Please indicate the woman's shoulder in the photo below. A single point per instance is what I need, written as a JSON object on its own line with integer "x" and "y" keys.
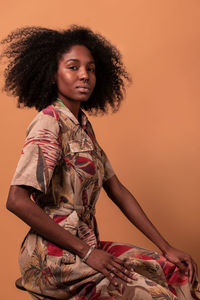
{"x": 51, "y": 111}
{"x": 46, "y": 119}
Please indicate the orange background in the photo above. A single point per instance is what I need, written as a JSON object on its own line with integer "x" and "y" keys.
{"x": 153, "y": 142}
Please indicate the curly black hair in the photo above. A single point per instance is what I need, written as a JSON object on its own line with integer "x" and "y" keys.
{"x": 33, "y": 54}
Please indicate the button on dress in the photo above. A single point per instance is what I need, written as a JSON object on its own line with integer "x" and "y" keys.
{"x": 65, "y": 167}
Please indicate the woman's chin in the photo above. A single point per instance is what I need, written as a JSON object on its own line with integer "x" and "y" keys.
{"x": 84, "y": 98}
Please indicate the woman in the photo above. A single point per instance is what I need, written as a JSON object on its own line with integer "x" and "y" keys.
{"x": 62, "y": 169}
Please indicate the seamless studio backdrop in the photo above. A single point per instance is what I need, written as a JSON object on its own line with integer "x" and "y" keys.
{"x": 153, "y": 142}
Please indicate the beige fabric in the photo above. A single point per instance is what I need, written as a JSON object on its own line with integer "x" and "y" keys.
{"x": 66, "y": 168}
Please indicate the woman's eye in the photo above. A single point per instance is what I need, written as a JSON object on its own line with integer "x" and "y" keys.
{"x": 73, "y": 68}
{"x": 91, "y": 69}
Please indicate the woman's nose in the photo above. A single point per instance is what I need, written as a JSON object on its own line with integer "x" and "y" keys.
{"x": 83, "y": 74}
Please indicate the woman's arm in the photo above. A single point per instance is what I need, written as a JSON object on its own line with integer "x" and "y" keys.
{"x": 133, "y": 211}
{"x": 22, "y": 206}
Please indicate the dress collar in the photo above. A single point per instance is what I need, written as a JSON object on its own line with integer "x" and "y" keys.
{"x": 62, "y": 107}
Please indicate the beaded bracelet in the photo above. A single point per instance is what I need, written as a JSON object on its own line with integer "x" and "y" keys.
{"x": 88, "y": 253}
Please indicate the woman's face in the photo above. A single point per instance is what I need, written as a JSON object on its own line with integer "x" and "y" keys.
{"x": 75, "y": 77}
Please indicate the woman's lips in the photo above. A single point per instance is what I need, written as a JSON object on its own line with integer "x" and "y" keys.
{"x": 83, "y": 89}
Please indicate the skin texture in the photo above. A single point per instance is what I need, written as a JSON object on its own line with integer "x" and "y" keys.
{"x": 75, "y": 77}
{"x": 76, "y": 68}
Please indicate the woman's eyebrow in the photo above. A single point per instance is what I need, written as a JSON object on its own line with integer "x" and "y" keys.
{"x": 72, "y": 59}
{"x": 77, "y": 60}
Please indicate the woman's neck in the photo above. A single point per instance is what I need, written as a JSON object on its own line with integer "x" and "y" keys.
{"x": 74, "y": 106}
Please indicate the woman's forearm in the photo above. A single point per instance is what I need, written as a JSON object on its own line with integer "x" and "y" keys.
{"x": 20, "y": 204}
{"x": 133, "y": 211}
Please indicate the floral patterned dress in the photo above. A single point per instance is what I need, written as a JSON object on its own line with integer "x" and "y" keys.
{"x": 63, "y": 162}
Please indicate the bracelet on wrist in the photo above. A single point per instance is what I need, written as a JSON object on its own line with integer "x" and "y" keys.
{"x": 88, "y": 253}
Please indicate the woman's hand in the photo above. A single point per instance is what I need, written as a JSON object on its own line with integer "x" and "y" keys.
{"x": 182, "y": 260}
{"x": 110, "y": 266}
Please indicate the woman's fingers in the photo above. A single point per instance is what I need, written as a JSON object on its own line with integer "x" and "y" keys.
{"x": 110, "y": 266}
{"x": 122, "y": 263}
{"x": 117, "y": 260}
{"x": 183, "y": 261}
{"x": 122, "y": 271}
{"x": 182, "y": 267}
{"x": 192, "y": 268}
{"x": 113, "y": 273}
{"x": 195, "y": 270}
{"x": 187, "y": 266}
{"x": 110, "y": 276}
{"x": 128, "y": 266}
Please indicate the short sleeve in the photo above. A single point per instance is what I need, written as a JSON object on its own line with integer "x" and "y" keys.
{"x": 41, "y": 152}
{"x": 108, "y": 169}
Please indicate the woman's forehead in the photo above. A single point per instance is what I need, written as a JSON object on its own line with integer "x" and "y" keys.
{"x": 78, "y": 52}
